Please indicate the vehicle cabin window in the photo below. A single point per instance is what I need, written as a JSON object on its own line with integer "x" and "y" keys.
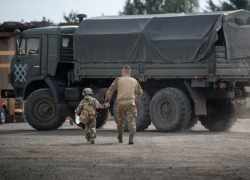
{"x": 67, "y": 42}
{"x": 23, "y": 47}
{"x": 29, "y": 46}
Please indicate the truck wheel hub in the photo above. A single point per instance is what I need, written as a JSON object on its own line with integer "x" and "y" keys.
{"x": 166, "y": 109}
{"x": 44, "y": 110}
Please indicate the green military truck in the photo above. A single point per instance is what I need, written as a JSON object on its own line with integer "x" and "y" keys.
{"x": 191, "y": 67}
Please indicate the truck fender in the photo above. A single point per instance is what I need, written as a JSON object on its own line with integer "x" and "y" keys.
{"x": 54, "y": 84}
{"x": 57, "y": 87}
{"x": 28, "y": 83}
{"x": 198, "y": 97}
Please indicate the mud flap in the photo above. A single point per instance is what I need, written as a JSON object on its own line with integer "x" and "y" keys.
{"x": 241, "y": 108}
{"x": 199, "y": 99}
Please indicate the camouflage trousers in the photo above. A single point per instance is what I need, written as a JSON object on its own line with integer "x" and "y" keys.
{"x": 129, "y": 112}
{"x": 90, "y": 127}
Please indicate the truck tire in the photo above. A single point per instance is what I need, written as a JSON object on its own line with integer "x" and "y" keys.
{"x": 193, "y": 121}
{"x": 3, "y": 116}
{"x": 143, "y": 118}
{"x": 41, "y": 111}
{"x": 170, "y": 110}
{"x": 220, "y": 116}
{"x": 101, "y": 119}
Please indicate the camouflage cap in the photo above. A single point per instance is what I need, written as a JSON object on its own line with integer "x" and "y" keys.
{"x": 87, "y": 91}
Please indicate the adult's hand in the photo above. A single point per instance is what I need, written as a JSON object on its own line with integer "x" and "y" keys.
{"x": 107, "y": 104}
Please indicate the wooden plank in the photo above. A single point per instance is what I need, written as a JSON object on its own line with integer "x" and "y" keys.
{"x": 6, "y": 34}
{"x": 4, "y": 65}
{"x": 6, "y": 53}
{"x": 19, "y": 111}
{"x": 12, "y": 106}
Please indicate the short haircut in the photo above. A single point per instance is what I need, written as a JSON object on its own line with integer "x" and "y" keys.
{"x": 127, "y": 68}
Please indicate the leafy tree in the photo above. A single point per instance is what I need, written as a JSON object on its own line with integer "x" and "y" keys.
{"x": 46, "y": 20}
{"x": 158, "y": 6}
{"x": 71, "y": 18}
{"x": 228, "y": 5}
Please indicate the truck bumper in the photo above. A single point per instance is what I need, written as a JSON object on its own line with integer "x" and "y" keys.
{"x": 7, "y": 93}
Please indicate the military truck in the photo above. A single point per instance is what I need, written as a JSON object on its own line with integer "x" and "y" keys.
{"x": 191, "y": 67}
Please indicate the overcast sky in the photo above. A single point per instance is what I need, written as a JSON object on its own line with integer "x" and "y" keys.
{"x": 30, "y": 10}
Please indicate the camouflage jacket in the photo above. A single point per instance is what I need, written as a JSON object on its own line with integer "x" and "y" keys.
{"x": 126, "y": 87}
{"x": 92, "y": 102}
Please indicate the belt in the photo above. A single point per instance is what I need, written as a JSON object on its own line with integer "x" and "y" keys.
{"x": 125, "y": 101}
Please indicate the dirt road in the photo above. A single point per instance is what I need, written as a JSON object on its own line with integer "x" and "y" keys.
{"x": 63, "y": 154}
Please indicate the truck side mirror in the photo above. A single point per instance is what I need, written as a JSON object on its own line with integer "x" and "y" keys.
{"x": 17, "y": 46}
{"x": 17, "y": 32}
{"x": 17, "y": 49}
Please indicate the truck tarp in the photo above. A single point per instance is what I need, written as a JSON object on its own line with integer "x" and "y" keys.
{"x": 173, "y": 38}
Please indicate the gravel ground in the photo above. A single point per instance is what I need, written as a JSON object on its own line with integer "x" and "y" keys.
{"x": 63, "y": 154}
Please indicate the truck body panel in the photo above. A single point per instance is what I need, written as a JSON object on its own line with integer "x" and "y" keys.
{"x": 199, "y": 61}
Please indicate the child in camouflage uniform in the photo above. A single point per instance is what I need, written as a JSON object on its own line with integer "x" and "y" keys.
{"x": 87, "y": 112}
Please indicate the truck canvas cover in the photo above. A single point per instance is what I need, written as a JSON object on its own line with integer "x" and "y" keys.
{"x": 170, "y": 38}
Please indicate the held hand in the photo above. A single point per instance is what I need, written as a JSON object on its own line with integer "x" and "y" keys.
{"x": 136, "y": 100}
{"x": 107, "y": 105}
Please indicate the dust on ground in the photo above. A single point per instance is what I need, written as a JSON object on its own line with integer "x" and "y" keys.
{"x": 63, "y": 154}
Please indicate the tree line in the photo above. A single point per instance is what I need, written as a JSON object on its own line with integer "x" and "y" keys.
{"x": 138, "y": 7}
{"x": 228, "y": 5}
{"x": 134, "y": 7}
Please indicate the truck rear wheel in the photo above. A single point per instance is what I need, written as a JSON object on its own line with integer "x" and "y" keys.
{"x": 41, "y": 111}
{"x": 143, "y": 118}
{"x": 102, "y": 117}
{"x": 220, "y": 115}
{"x": 193, "y": 121}
{"x": 170, "y": 110}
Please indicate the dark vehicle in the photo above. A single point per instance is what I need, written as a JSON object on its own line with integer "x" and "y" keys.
{"x": 194, "y": 66}
{"x": 3, "y": 110}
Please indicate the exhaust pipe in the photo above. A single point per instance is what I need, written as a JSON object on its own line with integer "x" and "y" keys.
{"x": 80, "y": 17}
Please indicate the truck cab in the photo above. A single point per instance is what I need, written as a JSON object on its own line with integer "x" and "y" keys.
{"x": 40, "y": 52}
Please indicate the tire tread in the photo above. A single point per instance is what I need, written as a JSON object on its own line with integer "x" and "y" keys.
{"x": 186, "y": 109}
{"x": 32, "y": 96}
{"x": 224, "y": 124}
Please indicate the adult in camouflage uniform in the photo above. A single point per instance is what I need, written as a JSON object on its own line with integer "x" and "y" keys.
{"x": 87, "y": 112}
{"x": 126, "y": 108}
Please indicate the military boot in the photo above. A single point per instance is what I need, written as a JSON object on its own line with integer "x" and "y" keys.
{"x": 92, "y": 139}
{"x": 119, "y": 137}
{"x": 131, "y": 138}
